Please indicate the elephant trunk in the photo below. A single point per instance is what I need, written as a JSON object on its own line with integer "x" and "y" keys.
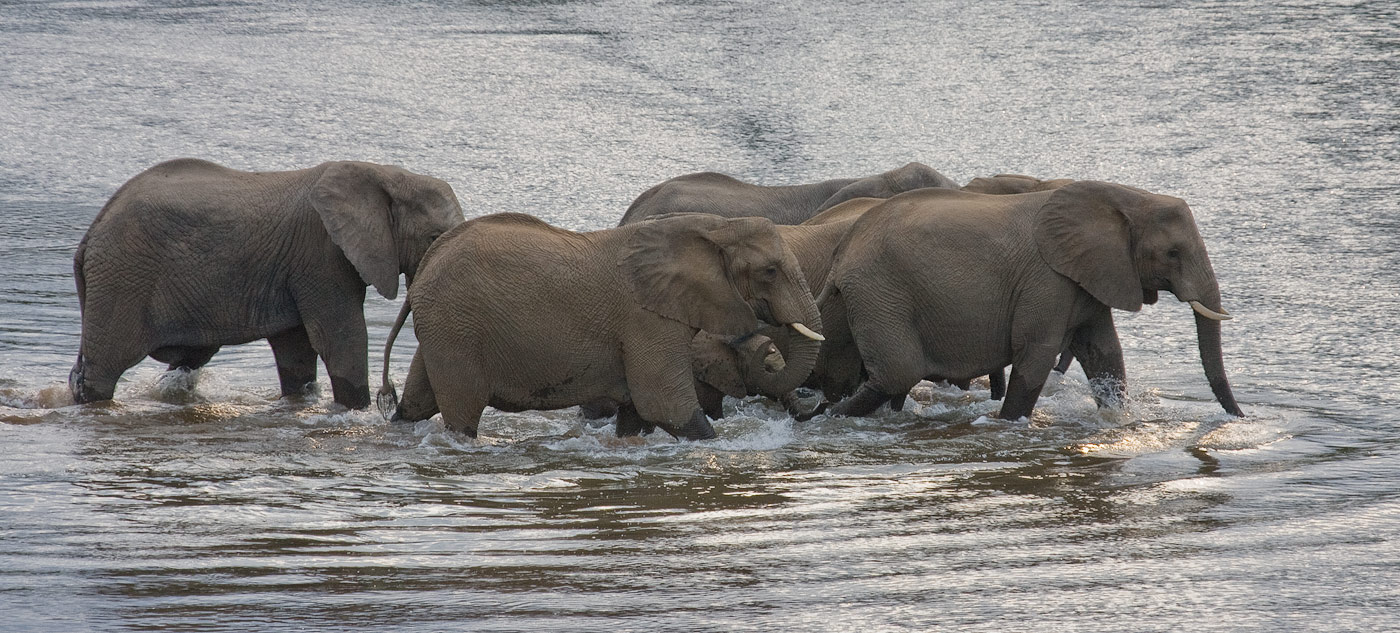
{"x": 799, "y": 349}
{"x": 1212, "y": 358}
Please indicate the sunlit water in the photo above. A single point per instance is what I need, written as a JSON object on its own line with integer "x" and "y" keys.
{"x": 222, "y": 508}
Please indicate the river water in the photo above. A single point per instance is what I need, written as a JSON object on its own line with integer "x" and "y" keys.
{"x": 222, "y": 508}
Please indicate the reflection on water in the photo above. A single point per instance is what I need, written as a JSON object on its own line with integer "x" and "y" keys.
{"x": 204, "y": 502}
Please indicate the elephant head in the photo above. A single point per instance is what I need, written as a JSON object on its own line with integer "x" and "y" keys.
{"x": 896, "y": 181}
{"x": 724, "y": 276}
{"x": 720, "y": 361}
{"x": 383, "y": 218}
{"x": 1002, "y": 184}
{"x": 1122, "y": 245}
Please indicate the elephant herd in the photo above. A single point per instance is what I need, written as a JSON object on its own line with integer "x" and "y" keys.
{"x": 708, "y": 287}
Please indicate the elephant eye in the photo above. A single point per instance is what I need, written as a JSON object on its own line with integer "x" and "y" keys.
{"x": 770, "y": 273}
{"x": 1174, "y": 253}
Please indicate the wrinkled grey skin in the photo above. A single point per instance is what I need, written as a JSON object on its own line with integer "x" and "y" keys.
{"x": 723, "y": 366}
{"x": 1005, "y": 184}
{"x": 515, "y": 314}
{"x": 189, "y": 256}
{"x": 837, "y": 369}
{"x": 957, "y": 284}
{"x": 722, "y": 195}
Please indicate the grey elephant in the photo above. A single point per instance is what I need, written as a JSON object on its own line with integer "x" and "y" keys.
{"x": 838, "y": 368}
{"x": 718, "y": 194}
{"x": 1004, "y": 184}
{"x": 513, "y": 313}
{"x": 957, "y": 284}
{"x": 723, "y": 366}
{"x": 189, "y": 256}
{"x": 834, "y": 366}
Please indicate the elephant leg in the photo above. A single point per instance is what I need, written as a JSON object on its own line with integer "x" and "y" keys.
{"x": 460, "y": 389}
{"x": 866, "y": 400}
{"x": 656, "y": 365}
{"x": 185, "y": 357}
{"x": 296, "y": 360}
{"x": 1100, "y": 354}
{"x": 598, "y": 409}
{"x": 630, "y": 423}
{"x": 997, "y": 382}
{"x": 87, "y": 384}
{"x": 1029, "y": 370}
{"x": 897, "y": 401}
{"x": 419, "y": 401}
{"x": 95, "y": 373}
{"x": 344, "y": 346}
{"x": 711, "y": 400}
{"x": 893, "y": 359}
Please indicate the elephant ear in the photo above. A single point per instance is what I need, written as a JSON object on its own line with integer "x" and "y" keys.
{"x": 1082, "y": 232}
{"x": 677, "y": 269}
{"x": 354, "y": 207}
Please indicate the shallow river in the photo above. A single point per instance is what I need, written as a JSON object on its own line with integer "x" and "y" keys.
{"x": 223, "y": 508}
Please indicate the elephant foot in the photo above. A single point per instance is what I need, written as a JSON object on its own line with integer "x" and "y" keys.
{"x": 81, "y": 388}
{"x": 897, "y": 401}
{"x": 295, "y": 385}
{"x": 630, "y": 423}
{"x": 350, "y": 395}
{"x": 698, "y": 428}
{"x": 711, "y": 402}
{"x": 996, "y": 381}
{"x": 598, "y": 409}
{"x": 816, "y": 411}
{"x": 865, "y": 402}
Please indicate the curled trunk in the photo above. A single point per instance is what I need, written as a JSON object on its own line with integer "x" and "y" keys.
{"x": 799, "y": 351}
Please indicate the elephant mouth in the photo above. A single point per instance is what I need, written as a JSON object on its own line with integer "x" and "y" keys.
{"x": 764, "y": 312}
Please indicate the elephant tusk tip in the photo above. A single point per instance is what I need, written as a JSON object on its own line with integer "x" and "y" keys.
{"x": 807, "y": 332}
{"x": 1208, "y": 313}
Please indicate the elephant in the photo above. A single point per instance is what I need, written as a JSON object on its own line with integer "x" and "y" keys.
{"x": 710, "y": 192}
{"x": 516, "y": 314}
{"x": 1003, "y": 184}
{"x": 837, "y": 371}
{"x": 957, "y": 284}
{"x": 739, "y": 365}
{"x": 836, "y": 368}
{"x": 723, "y": 366}
{"x": 189, "y": 256}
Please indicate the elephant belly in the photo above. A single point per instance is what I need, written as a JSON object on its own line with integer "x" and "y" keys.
{"x": 962, "y": 351}
{"x": 547, "y": 379}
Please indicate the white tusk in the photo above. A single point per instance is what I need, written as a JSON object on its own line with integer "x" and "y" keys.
{"x": 807, "y": 332}
{"x": 1208, "y": 313}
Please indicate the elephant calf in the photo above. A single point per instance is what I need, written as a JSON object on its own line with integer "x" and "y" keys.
{"x": 513, "y": 313}
{"x": 189, "y": 256}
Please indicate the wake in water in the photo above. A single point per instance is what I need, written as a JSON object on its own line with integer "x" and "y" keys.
{"x": 939, "y": 420}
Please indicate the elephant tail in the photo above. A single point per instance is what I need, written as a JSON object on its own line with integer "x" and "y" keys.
{"x": 79, "y": 277}
{"x": 388, "y": 396}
